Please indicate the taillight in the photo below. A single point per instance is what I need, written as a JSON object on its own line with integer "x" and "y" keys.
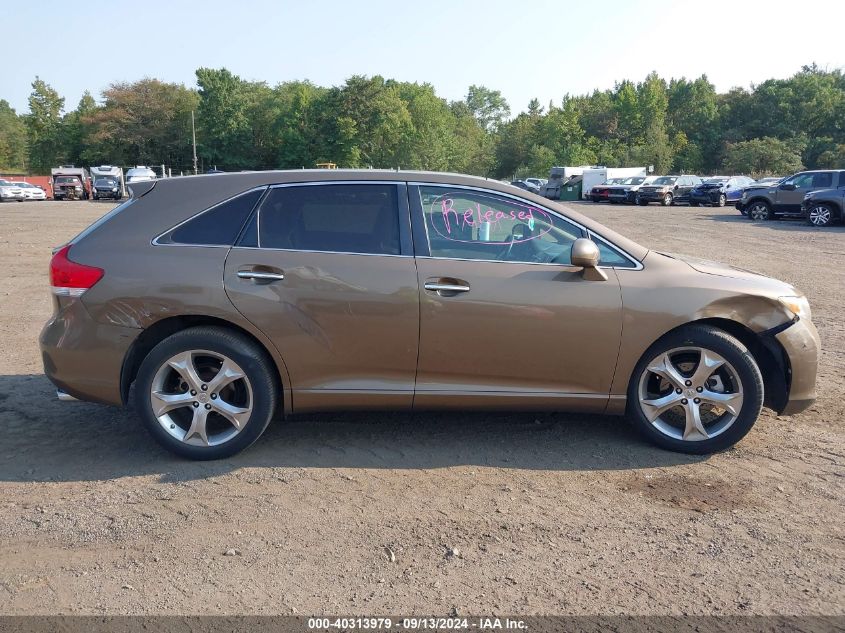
{"x": 69, "y": 279}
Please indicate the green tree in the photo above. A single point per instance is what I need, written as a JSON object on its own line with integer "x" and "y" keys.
{"x": 145, "y": 122}
{"x": 488, "y": 106}
{"x": 13, "y": 149}
{"x": 44, "y": 127}
{"x": 763, "y": 157}
{"x": 224, "y": 129}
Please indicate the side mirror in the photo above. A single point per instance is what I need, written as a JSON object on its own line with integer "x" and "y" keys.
{"x": 585, "y": 254}
{"x": 676, "y": 186}
{"x": 788, "y": 186}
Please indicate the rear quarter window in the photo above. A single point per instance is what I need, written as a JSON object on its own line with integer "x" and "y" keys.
{"x": 217, "y": 226}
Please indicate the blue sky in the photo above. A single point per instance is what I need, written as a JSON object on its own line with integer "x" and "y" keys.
{"x": 526, "y": 49}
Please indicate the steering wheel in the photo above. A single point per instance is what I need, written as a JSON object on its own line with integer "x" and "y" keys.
{"x": 523, "y": 230}
{"x": 506, "y": 253}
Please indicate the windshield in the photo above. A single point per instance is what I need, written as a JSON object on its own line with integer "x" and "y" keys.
{"x": 636, "y": 180}
{"x": 665, "y": 180}
{"x": 106, "y": 182}
{"x": 5, "y": 183}
{"x": 718, "y": 179}
{"x": 67, "y": 180}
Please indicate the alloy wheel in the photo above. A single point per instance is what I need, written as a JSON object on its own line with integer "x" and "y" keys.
{"x": 758, "y": 211}
{"x": 722, "y": 200}
{"x": 820, "y": 215}
{"x": 690, "y": 394}
{"x": 201, "y": 398}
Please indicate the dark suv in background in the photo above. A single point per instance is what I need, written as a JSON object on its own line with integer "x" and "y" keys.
{"x": 824, "y": 207}
{"x": 786, "y": 198}
{"x": 668, "y": 190}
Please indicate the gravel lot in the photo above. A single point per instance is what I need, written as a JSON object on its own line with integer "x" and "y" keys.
{"x": 387, "y": 514}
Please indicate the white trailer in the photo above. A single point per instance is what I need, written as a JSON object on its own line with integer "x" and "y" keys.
{"x": 597, "y": 175}
{"x": 112, "y": 172}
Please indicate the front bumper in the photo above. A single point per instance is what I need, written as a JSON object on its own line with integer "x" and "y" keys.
{"x": 802, "y": 346}
{"x": 83, "y": 357}
{"x": 705, "y": 197}
{"x": 652, "y": 196}
{"x": 13, "y": 198}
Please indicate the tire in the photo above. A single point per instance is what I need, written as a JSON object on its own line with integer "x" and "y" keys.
{"x": 723, "y": 199}
{"x": 739, "y": 384}
{"x": 196, "y": 429}
{"x": 668, "y": 200}
{"x": 594, "y": 199}
{"x": 759, "y": 211}
{"x": 642, "y": 203}
{"x": 821, "y": 215}
{"x": 693, "y": 204}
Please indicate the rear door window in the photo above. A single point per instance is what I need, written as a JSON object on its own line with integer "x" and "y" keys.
{"x": 342, "y": 218}
{"x": 823, "y": 180}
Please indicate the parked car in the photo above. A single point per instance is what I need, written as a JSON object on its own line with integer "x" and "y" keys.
{"x": 68, "y": 188}
{"x": 525, "y": 185}
{"x": 107, "y": 187}
{"x": 30, "y": 191}
{"x": 140, "y": 174}
{"x": 668, "y": 190}
{"x": 537, "y": 182}
{"x": 601, "y": 193}
{"x": 719, "y": 190}
{"x": 760, "y": 182}
{"x": 407, "y": 290}
{"x": 824, "y": 207}
{"x": 10, "y": 192}
{"x": 628, "y": 189}
{"x": 770, "y": 201}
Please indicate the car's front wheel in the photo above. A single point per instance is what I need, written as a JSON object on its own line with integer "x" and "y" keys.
{"x": 759, "y": 211}
{"x": 820, "y": 215}
{"x": 696, "y": 390}
{"x": 206, "y": 392}
{"x": 668, "y": 199}
{"x": 723, "y": 199}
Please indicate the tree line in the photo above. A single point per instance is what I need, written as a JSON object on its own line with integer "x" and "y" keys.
{"x": 680, "y": 125}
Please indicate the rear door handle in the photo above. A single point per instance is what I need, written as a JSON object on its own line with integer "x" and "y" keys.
{"x": 436, "y": 286}
{"x": 260, "y": 275}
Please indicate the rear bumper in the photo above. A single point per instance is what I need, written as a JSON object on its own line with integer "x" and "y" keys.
{"x": 802, "y": 346}
{"x": 83, "y": 357}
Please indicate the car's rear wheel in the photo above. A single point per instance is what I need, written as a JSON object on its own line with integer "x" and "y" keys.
{"x": 759, "y": 211}
{"x": 206, "y": 392}
{"x": 697, "y": 390}
{"x": 668, "y": 199}
{"x": 820, "y": 215}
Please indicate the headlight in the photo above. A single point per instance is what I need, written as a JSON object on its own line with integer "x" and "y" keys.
{"x": 114, "y": 188}
{"x": 798, "y": 306}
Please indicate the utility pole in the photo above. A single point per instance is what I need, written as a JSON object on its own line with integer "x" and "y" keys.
{"x": 194, "y": 134}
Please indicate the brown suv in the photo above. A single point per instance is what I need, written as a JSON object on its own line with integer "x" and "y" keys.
{"x": 225, "y": 299}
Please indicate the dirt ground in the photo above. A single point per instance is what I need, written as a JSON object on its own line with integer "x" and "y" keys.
{"x": 388, "y": 514}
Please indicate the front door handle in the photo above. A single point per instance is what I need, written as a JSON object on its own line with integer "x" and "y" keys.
{"x": 260, "y": 275}
{"x": 446, "y": 286}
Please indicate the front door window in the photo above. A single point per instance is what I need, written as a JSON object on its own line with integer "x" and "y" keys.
{"x": 467, "y": 224}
